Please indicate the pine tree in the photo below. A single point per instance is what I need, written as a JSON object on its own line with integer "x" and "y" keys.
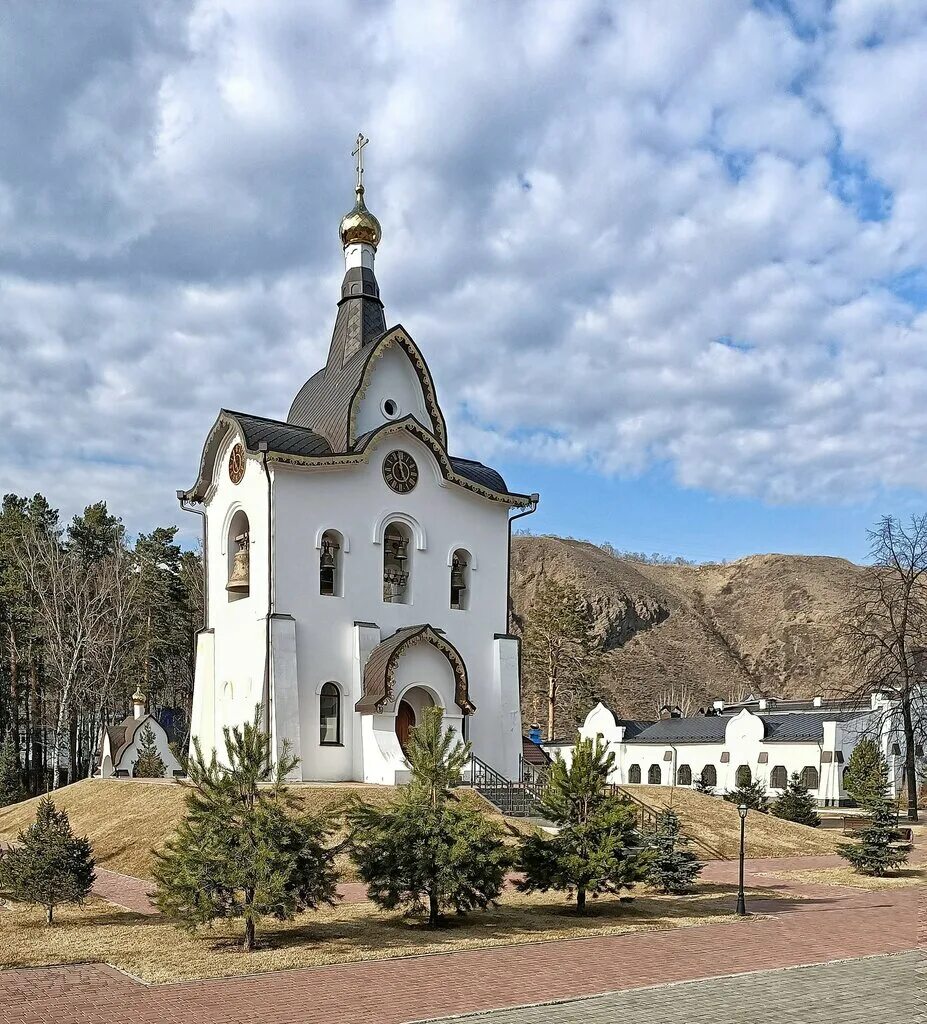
{"x": 428, "y": 852}
{"x": 11, "y": 789}
{"x": 795, "y": 803}
{"x": 865, "y": 777}
{"x": 674, "y": 866}
{"x": 149, "y": 764}
{"x": 597, "y": 849}
{"x": 753, "y": 794}
{"x": 877, "y": 849}
{"x": 50, "y": 866}
{"x": 243, "y": 849}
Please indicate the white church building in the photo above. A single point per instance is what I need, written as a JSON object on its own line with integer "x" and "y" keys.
{"x": 357, "y": 572}
{"x": 760, "y": 739}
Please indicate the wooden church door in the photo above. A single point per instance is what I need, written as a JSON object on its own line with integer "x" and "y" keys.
{"x": 405, "y": 720}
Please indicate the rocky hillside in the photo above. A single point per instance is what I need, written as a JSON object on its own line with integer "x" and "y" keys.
{"x": 687, "y": 634}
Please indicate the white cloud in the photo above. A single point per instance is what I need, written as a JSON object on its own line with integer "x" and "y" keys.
{"x": 622, "y": 233}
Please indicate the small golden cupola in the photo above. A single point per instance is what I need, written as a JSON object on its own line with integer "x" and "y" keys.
{"x": 360, "y": 225}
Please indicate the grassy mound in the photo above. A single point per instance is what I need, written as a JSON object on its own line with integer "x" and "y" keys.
{"x": 714, "y": 825}
{"x": 126, "y": 819}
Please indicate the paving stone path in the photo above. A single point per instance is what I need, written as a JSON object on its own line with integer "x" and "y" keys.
{"x": 826, "y": 924}
{"x": 874, "y": 990}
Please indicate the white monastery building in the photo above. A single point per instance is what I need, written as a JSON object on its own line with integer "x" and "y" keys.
{"x": 760, "y": 738}
{"x": 357, "y": 572}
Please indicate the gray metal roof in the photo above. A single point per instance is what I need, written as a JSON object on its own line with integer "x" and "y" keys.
{"x": 790, "y": 728}
{"x": 701, "y": 729}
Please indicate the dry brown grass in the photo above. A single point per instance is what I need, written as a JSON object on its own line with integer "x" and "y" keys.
{"x": 157, "y": 951}
{"x": 127, "y": 818}
{"x": 900, "y": 879}
{"x": 715, "y": 825}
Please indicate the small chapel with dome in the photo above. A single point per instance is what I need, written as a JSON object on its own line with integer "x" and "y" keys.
{"x": 357, "y": 572}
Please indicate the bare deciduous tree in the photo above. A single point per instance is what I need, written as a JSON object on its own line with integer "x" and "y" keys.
{"x": 885, "y": 629}
{"x": 70, "y": 605}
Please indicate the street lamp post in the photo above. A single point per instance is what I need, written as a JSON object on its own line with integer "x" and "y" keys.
{"x": 741, "y": 905}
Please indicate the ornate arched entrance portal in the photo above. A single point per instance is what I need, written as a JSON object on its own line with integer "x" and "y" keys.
{"x": 409, "y": 712}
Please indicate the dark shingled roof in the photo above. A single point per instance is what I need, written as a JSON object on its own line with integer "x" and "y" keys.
{"x": 283, "y": 438}
{"x": 479, "y": 474}
{"x": 378, "y": 672}
{"x": 632, "y": 729}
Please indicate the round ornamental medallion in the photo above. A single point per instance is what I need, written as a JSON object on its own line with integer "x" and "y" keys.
{"x": 237, "y": 464}
{"x": 400, "y": 472}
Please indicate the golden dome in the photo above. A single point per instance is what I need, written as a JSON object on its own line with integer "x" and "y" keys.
{"x": 360, "y": 225}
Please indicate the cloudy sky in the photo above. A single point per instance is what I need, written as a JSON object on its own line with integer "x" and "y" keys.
{"x": 666, "y": 259}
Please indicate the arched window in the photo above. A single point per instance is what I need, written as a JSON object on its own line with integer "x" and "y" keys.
{"x": 238, "y": 549}
{"x": 330, "y": 715}
{"x": 809, "y": 777}
{"x": 654, "y": 775}
{"x": 778, "y": 778}
{"x": 743, "y": 776}
{"x": 634, "y": 774}
{"x": 709, "y": 775}
{"x": 397, "y": 564}
{"x": 460, "y": 579}
{"x": 330, "y": 573}
{"x": 684, "y": 775}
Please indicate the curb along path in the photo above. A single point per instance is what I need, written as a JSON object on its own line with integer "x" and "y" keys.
{"x": 819, "y": 925}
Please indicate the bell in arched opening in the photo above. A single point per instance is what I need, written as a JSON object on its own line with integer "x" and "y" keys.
{"x": 240, "y": 577}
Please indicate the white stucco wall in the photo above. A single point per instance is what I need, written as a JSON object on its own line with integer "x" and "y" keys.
{"x": 357, "y": 502}
{"x": 392, "y": 377}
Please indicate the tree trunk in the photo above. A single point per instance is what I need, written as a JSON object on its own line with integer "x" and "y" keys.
{"x": 581, "y": 899}
{"x": 432, "y": 909}
{"x": 56, "y": 741}
{"x": 551, "y": 705}
{"x": 909, "y": 763}
{"x": 248, "y": 944}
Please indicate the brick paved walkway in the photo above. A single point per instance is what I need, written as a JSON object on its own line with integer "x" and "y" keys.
{"x": 831, "y": 924}
{"x": 875, "y": 990}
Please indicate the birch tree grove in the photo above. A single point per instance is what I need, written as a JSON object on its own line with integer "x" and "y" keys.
{"x": 86, "y": 619}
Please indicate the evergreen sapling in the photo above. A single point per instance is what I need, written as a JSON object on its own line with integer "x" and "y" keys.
{"x": 50, "y": 866}
{"x": 796, "y": 804}
{"x": 244, "y": 850}
{"x": 753, "y": 794}
{"x": 11, "y": 790}
{"x": 878, "y": 848}
{"x": 149, "y": 764}
{"x": 598, "y": 847}
{"x": 674, "y": 866}
{"x": 428, "y": 853}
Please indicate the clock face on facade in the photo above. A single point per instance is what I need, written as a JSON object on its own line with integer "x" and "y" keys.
{"x": 237, "y": 464}
{"x": 400, "y": 472}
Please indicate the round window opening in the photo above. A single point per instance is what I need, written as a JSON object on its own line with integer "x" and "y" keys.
{"x": 390, "y": 408}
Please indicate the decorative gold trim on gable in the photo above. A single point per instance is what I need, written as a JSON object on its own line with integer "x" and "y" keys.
{"x": 398, "y": 336}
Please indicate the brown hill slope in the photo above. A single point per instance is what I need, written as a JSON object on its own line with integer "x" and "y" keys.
{"x": 687, "y": 634}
